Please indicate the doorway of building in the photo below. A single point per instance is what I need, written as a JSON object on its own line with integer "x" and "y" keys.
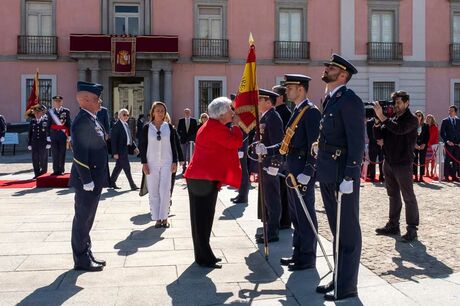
{"x": 128, "y": 92}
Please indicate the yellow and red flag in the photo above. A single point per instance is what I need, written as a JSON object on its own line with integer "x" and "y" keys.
{"x": 248, "y": 93}
{"x": 34, "y": 98}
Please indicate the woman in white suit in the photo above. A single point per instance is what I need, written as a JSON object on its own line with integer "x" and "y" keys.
{"x": 159, "y": 161}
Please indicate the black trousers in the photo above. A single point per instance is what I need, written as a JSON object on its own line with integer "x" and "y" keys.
{"x": 451, "y": 168}
{"x": 203, "y": 197}
{"x": 271, "y": 193}
{"x": 285, "y": 221}
{"x": 419, "y": 159}
{"x": 122, "y": 163}
{"x": 58, "y": 149}
{"x": 86, "y": 203}
{"x": 39, "y": 159}
{"x": 244, "y": 187}
{"x": 350, "y": 234}
{"x": 398, "y": 180}
{"x": 375, "y": 151}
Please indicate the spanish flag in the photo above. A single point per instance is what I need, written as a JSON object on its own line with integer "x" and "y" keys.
{"x": 34, "y": 98}
{"x": 248, "y": 92}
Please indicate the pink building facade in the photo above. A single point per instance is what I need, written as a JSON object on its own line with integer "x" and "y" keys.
{"x": 412, "y": 45}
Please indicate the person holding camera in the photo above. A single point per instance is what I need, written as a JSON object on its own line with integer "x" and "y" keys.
{"x": 399, "y": 135}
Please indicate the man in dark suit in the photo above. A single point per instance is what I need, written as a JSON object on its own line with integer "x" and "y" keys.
{"x": 340, "y": 152}
{"x": 60, "y": 133}
{"x": 90, "y": 173}
{"x": 271, "y": 130}
{"x": 187, "y": 129}
{"x": 450, "y": 133}
{"x": 375, "y": 151}
{"x": 285, "y": 114}
{"x": 301, "y": 163}
{"x": 121, "y": 139}
{"x": 103, "y": 117}
{"x": 39, "y": 140}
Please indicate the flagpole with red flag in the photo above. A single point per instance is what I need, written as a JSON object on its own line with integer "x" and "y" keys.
{"x": 34, "y": 98}
{"x": 247, "y": 108}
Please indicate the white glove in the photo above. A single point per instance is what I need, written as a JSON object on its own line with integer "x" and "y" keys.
{"x": 89, "y": 186}
{"x": 29, "y": 148}
{"x": 48, "y": 146}
{"x": 48, "y": 139}
{"x": 273, "y": 171}
{"x": 346, "y": 187}
{"x": 303, "y": 179}
{"x": 260, "y": 149}
{"x": 2, "y": 139}
{"x": 240, "y": 154}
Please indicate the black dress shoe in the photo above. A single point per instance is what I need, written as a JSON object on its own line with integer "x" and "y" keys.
{"x": 210, "y": 265}
{"x": 134, "y": 187}
{"x": 115, "y": 186}
{"x": 325, "y": 288}
{"x": 330, "y": 296}
{"x": 98, "y": 261}
{"x": 272, "y": 239}
{"x": 240, "y": 200}
{"x": 297, "y": 267}
{"x": 258, "y": 235}
{"x": 55, "y": 173}
{"x": 388, "y": 230}
{"x": 91, "y": 267}
{"x": 218, "y": 259}
{"x": 410, "y": 236}
{"x": 286, "y": 261}
{"x": 234, "y": 198}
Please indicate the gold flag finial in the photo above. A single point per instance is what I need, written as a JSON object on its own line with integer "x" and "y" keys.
{"x": 251, "y": 39}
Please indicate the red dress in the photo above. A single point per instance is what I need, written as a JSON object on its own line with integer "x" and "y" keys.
{"x": 216, "y": 154}
{"x": 434, "y": 139}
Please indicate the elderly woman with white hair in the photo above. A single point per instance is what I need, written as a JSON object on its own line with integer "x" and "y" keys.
{"x": 214, "y": 163}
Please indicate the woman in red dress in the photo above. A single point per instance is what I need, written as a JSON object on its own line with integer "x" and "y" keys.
{"x": 432, "y": 145}
{"x": 214, "y": 163}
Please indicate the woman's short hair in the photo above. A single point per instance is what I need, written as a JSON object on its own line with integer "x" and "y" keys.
{"x": 218, "y": 107}
{"x": 155, "y": 105}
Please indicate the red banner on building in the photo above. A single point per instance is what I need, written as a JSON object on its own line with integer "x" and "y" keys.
{"x": 123, "y": 55}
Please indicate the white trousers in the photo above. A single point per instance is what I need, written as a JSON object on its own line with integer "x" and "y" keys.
{"x": 159, "y": 185}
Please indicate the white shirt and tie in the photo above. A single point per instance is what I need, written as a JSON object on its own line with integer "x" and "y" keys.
{"x": 128, "y": 134}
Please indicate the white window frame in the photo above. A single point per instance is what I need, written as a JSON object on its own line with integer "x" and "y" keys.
{"x": 222, "y": 4}
{"x": 452, "y": 90}
{"x": 25, "y": 95}
{"x": 384, "y": 5}
{"x": 292, "y": 5}
{"x": 223, "y": 79}
{"x": 290, "y": 10}
{"x": 377, "y": 78}
{"x": 126, "y": 16}
{"x": 393, "y": 31}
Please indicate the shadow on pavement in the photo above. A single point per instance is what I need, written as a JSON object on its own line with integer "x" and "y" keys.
{"x": 415, "y": 261}
{"x": 234, "y": 211}
{"x": 139, "y": 239}
{"x": 23, "y": 192}
{"x": 141, "y": 219}
{"x": 110, "y": 193}
{"x": 194, "y": 287}
{"x": 50, "y": 295}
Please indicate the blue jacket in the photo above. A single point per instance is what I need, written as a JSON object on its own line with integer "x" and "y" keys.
{"x": 119, "y": 139}
{"x": 449, "y": 132}
{"x": 90, "y": 158}
{"x": 342, "y": 126}
{"x": 63, "y": 115}
{"x": 272, "y": 133}
{"x": 39, "y": 132}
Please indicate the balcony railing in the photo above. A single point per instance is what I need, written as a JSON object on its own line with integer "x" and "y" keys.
{"x": 384, "y": 51}
{"x": 37, "y": 45}
{"x": 454, "y": 53}
{"x": 210, "y": 48}
{"x": 292, "y": 50}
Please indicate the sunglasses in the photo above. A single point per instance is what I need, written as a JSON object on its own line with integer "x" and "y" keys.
{"x": 158, "y": 135}
{"x": 125, "y": 115}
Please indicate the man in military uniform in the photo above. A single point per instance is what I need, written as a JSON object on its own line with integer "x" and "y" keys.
{"x": 285, "y": 114}
{"x": 90, "y": 173}
{"x": 340, "y": 152}
{"x": 60, "y": 133}
{"x": 271, "y": 130}
{"x": 39, "y": 140}
{"x": 301, "y": 163}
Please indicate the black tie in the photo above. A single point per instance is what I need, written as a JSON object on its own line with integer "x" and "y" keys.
{"x": 325, "y": 101}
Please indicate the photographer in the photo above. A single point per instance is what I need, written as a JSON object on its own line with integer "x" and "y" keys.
{"x": 398, "y": 135}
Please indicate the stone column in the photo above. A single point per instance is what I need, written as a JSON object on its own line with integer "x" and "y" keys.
{"x": 94, "y": 75}
{"x": 81, "y": 74}
{"x": 155, "y": 89}
{"x": 168, "y": 91}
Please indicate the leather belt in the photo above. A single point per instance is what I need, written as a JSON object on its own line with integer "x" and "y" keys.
{"x": 334, "y": 150}
{"x": 297, "y": 151}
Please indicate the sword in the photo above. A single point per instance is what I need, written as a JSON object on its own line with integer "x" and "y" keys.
{"x": 337, "y": 240}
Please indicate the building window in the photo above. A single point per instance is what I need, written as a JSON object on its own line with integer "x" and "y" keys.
{"x": 382, "y": 27}
{"x": 126, "y": 18}
{"x": 208, "y": 91}
{"x": 457, "y": 95}
{"x": 39, "y": 20}
{"x": 44, "y": 89}
{"x": 209, "y": 22}
{"x": 383, "y": 90}
{"x": 290, "y": 25}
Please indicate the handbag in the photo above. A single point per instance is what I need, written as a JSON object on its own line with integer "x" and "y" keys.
{"x": 143, "y": 191}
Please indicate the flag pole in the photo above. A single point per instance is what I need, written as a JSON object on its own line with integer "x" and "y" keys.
{"x": 260, "y": 168}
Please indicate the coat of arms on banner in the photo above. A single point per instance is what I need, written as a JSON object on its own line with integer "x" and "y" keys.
{"x": 123, "y": 56}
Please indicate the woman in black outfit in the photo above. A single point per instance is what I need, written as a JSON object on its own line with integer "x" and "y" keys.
{"x": 421, "y": 146}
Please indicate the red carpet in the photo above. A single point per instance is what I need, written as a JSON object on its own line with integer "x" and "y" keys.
{"x": 53, "y": 181}
{"x": 426, "y": 179}
{"x": 18, "y": 183}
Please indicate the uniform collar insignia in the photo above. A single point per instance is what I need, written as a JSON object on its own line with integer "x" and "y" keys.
{"x": 339, "y": 94}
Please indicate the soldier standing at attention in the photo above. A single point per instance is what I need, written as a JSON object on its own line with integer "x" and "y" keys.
{"x": 90, "y": 173}
{"x": 60, "y": 133}
{"x": 39, "y": 140}
{"x": 303, "y": 132}
{"x": 340, "y": 152}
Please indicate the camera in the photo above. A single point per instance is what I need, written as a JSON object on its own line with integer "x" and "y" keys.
{"x": 388, "y": 108}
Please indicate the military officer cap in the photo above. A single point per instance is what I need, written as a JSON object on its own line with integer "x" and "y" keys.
{"x": 264, "y": 93}
{"x": 279, "y": 89}
{"x": 338, "y": 61}
{"x": 57, "y": 98}
{"x": 90, "y": 87}
{"x": 296, "y": 79}
{"x": 39, "y": 108}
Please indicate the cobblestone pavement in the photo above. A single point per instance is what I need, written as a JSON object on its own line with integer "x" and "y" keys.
{"x": 434, "y": 255}
{"x": 437, "y": 251}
